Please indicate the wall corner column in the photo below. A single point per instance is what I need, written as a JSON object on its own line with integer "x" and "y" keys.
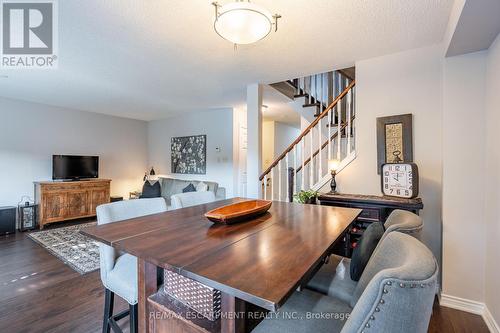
{"x": 254, "y": 153}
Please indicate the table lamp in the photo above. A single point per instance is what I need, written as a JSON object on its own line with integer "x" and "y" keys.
{"x": 333, "y": 165}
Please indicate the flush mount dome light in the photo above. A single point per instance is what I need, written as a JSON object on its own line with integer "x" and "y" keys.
{"x": 243, "y": 22}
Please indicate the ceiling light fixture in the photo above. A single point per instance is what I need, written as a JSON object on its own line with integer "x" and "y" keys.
{"x": 243, "y": 22}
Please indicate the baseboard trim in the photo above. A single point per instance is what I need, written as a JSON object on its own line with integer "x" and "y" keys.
{"x": 471, "y": 307}
{"x": 490, "y": 321}
{"x": 462, "y": 304}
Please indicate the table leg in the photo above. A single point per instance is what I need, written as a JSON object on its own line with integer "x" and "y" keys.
{"x": 147, "y": 286}
{"x": 233, "y": 314}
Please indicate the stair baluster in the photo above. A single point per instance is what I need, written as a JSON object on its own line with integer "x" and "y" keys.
{"x": 265, "y": 187}
{"x": 303, "y": 161}
{"x": 279, "y": 180}
{"x": 272, "y": 184}
{"x": 311, "y": 161}
{"x": 348, "y": 134}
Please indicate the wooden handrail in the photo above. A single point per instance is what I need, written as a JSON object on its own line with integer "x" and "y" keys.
{"x": 334, "y": 135}
{"x": 308, "y": 129}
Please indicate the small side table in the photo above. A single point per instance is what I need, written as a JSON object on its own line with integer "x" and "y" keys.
{"x": 134, "y": 195}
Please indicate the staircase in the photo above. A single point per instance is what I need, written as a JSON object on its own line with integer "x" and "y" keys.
{"x": 330, "y": 97}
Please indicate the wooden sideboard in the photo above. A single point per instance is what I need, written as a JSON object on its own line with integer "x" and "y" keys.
{"x": 375, "y": 209}
{"x": 62, "y": 201}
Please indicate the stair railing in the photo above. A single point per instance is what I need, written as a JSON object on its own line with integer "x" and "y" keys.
{"x": 320, "y": 89}
{"x": 295, "y": 161}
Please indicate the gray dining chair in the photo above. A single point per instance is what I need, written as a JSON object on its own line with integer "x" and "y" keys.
{"x": 334, "y": 278}
{"x": 119, "y": 270}
{"x": 395, "y": 294}
{"x": 189, "y": 199}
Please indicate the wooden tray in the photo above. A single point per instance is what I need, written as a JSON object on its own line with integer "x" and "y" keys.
{"x": 238, "y": 212}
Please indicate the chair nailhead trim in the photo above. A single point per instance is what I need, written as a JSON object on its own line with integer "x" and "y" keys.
{"x": 385, "y": 291}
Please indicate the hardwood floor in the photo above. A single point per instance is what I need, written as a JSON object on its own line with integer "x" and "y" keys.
{"x": 39, "y": 293}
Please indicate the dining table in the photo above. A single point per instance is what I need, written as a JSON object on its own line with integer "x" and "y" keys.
{"x": 259, "y": 262}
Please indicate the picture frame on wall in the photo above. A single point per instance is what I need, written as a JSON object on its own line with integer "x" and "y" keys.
{"x": 189, "y": 155}
{"x": 394, "y": 140}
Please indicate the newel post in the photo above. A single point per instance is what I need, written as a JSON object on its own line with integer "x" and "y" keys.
{"x": 291, "y": 184}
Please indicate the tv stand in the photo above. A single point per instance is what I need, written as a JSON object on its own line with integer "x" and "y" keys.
{"x": 68, "y": 200}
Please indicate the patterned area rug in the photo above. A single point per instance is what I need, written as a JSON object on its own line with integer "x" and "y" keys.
{"x": 74, "y": 249}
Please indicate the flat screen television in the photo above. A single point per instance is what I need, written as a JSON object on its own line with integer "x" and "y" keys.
{"x": 70, "y": 167}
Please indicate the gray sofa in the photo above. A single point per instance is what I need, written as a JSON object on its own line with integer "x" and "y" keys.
{"x": 171, "y": 186}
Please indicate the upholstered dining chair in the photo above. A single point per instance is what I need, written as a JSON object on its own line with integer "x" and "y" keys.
{"x": 118, "y": 270}
{"x": 189, "y": 199}
{"x": 395, "y": 294}
{"x": 334, "y": 278}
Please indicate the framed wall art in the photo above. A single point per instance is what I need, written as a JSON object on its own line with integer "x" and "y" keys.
{"x": 189, "y": 155}
{"x": 394, "y": 140}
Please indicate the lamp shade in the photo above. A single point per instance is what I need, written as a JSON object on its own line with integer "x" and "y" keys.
{"x": 333, "y": 164}
{"x": 243, "y": 22}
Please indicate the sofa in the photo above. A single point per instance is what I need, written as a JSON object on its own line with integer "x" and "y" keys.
{"x": 171, "y": 186}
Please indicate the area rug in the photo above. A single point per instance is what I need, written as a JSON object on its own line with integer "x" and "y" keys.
{"x": 68, "y": 244}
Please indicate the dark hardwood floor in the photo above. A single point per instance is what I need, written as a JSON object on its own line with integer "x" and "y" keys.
{"x": 39, "y": 293}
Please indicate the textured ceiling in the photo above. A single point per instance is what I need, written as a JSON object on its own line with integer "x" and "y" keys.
{"x": 156, "y": 58}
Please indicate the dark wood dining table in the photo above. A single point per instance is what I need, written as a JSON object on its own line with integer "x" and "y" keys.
{"x": 261, "y": 261}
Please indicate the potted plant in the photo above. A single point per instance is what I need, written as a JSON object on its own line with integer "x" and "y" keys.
{"x": 306, "y": 197}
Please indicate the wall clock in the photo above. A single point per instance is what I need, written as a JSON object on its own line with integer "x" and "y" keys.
{"x": 400, "y": 180}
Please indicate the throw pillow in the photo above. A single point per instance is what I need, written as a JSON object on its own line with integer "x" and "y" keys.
{"x": 189, "y": 188}
{"x": 201, "y": 187}
{"x": 366, "y": 245}
{"x": 151, "y": 190}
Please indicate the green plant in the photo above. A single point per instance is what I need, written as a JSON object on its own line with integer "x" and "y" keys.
{"x": 306, "y": 196}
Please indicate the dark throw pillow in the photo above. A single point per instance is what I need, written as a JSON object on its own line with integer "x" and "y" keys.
{"x": 366, "y": 245}
{"x": 151, "y": 190}
{"x": 189, "y": 188}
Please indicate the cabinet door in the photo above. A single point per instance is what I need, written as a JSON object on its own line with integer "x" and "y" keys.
{"x": 99, "y": 196}
{"x": 77, "y": 204}
{"x": 54, "y": 207}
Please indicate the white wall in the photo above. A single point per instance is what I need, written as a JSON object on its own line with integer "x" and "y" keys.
{"x": 31, "y": 133}
{"x": 407, "y": 82}
{"x": 276, "y": 137}
{"x": 284, "y": 135}
{"x": 216, "y": 124}
{"x": 463, "y": 176}
{"x": 492, "y": 155}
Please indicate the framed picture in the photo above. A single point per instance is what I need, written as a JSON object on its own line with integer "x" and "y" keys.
{"x": 189, "y": 155}
{"x": 394, "y": 140}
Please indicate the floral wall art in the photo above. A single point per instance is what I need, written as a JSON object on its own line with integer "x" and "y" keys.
{"x": 189, "y": 155}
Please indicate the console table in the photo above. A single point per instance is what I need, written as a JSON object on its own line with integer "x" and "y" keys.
{"x": 62, "y": 201}
{"x": 374, "y": 209}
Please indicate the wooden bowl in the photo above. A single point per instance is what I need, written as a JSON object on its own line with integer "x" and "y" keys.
{"x": 239, "y": 211}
